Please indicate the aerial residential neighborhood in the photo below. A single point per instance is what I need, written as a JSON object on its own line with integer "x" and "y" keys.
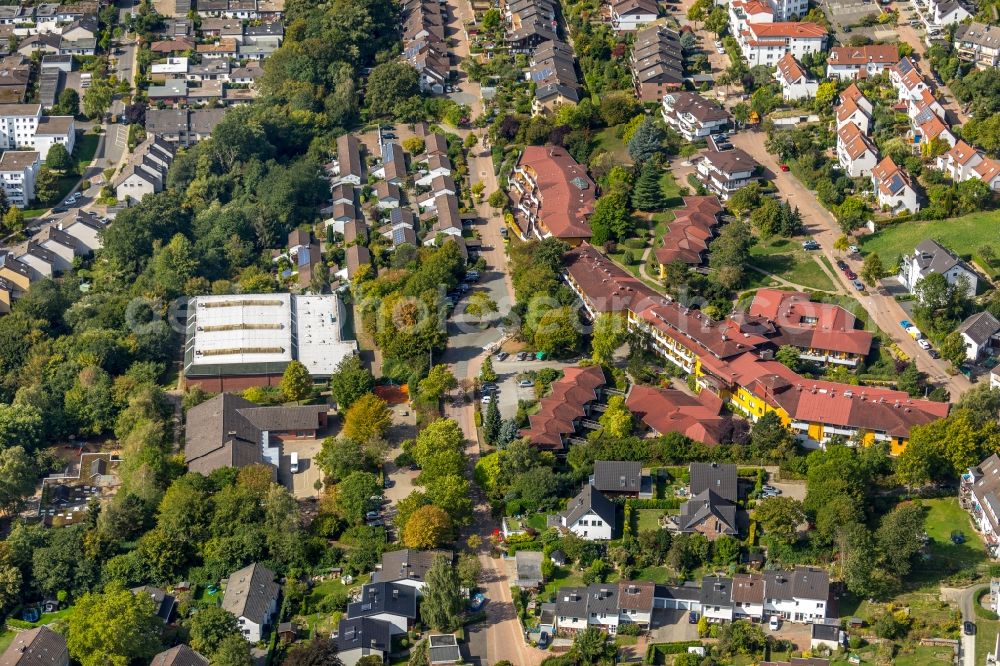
{"x": 518, "y": 333}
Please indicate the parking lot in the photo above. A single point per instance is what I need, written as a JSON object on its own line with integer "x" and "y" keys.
{"x": 509, "y": 373}
{"x": 303, "y": 483}
{"x": 671, "y": 625}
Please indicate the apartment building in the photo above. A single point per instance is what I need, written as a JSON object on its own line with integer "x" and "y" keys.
{"x": 733, "y": 359}
{"x": 656, "y": 63}
{"x": 183, "y": 127}
{"x": 979, "y": 44}
{"x": 693, "y": 116}
{"x": 725, "y": 172}
{"x": 23, "y": 126}
{"x": 931, "y": 257}
{"x": 18, "y": 171}
{"x": 937, "y": 14}
{"x": 853, "y": 62}
{"x": 146, "y": 170}
{"x": 854, "y": 111}
{"x": 766, "y": 43}
{"x": 856, "y": 154}
{"x": 553, "y": 195}
{"x": 980, "y": 495}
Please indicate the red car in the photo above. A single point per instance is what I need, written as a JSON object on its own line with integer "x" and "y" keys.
{"x": 851, "y": 275}
{"x": 783, "y": 167}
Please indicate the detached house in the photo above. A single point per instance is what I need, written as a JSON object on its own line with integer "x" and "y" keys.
{"x": 800, "y": 595}
{"x": 766, "y": 43}
{"x": 628, "y": 15}
{"x": 40, "y": 646}
{"x": 252, "y": 596}
{"x": 795, "y": 81}
{"x": 712, "y": 510}
{"x": 363, "y": 637}
{"x": 852, "y": 111}
{"x": 893, "y": 188}
{"x": 930, "y": 257}
{"x": 725, "y": 172}
{"x": 980, "y": 332}
{"x": 408, "y": 567}
{"x": 590, "y": 515}
{"x": 616, "y": 478}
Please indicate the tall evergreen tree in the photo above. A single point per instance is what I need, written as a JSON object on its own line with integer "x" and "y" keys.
{"x": 647, "y": 194}
{"x": 487, "y": 373}
{"x": 491, "y": 422}
{"x": 647, "y": 141}
{"x": 441, "y": 608}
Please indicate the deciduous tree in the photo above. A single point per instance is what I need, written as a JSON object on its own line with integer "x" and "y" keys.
{"x": 296, "y": 383}
{"x": 428, "y": 527}
{"x": 442, "y": 604}
{"x": 873, "y": 270}
{"x": 115, "y": 628}
{"x": 58, "y": 158}
{"x": 353, "y": 495}
{"x": 368, "y": 418}
{"x": 351, "y": 380}
{"x": 617, "y": 419}
{"x": 780, "y": 517}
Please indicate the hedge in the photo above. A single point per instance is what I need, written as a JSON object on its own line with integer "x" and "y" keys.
{"x": 668, "y": 503}
{"x": 662, "y": 649}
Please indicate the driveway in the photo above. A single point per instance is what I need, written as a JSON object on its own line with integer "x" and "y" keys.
{"x": 302, "y": 484}
{"x": 671, "y": 625}
{"x": 821, "y": 225}
{"x": 509, "y": 373}
{"x": 966, "y": 603}
{"x": 794, "y": 489}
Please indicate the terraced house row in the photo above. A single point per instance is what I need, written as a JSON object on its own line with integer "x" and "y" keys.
{"x": 734, "y": 358}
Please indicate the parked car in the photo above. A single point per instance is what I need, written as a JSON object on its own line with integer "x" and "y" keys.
{"x": 501, "y": 356}
{"x": 294, "y": 462}
{"x": 851, "y": 275}
{"x": 774, "y": 623}
{"x": 526, "y": 383}
{"x": 923, "y": 344}
{"x": 770, "y": 488}
{"x": 718, "y": 44}
{"x": 969, "y": 628}
{"x": 783, "y": 167}
{"x": 489, "y": 387}
{"x": 905, "y": 323}
{"x": 487, "y": 399}
{"x": 810, "y": 245}
{"x": 720, "y": 51}
{"x": 858, "y": 284}
{"x": 472, "y": 276}
{"x": 853, "y": 249}
{"x": 372, "y": 515}
{"x": 841, "y": 264}
{"x": 521, "y": 356}
{"x": 543, "y": 640}
{"x": 693, "y": 617}
{"x": 933, "y": 353}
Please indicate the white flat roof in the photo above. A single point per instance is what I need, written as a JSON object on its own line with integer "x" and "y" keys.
{"x": 243, "y": 328}
{"x": 319, "y": 320}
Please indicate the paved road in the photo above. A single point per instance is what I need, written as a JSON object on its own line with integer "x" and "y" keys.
{"x": 821, "y": 225}
{"x": 966, "y": 603}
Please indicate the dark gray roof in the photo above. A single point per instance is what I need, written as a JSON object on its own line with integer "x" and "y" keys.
{"x": 616, "y": 476}
{"x": 687, "y": 591}
{"x": 217, "y": 435}
{"x": 180, "y": 655}
{"x": 443, "y": 649}
{"x": 720, "y": 478}
{"x": 528, "y": 564}
{"x": 716, "y": 591}
{"x": 284, "y": 418}
{"x": 935, "y": 258}
{"x": 407, "y": 564}
{"x": 164, "y": 603}
{"x": 778, "y": 585}
{"x": 980, "y": 327}
{"x": 590, "y": 499}
{"x": 36, "y": 647}
{"x": 602, "y": 598}
{"x": 250, "y": 592}
{"x": 571, "y": 602}
{"x": 987, "y": 36}
{"x": 826, "y": 632}
{"x": 364, "y": 632}
{"x": 707, "y": 505}
{"x": 389, "y": 598}
{"x": 810, "y": 583}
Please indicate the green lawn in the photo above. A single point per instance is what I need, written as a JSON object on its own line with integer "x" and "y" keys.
{"x": 986, "y": 638}
{"x": 964, "y": 235}
{"x": 6, "y": 638}
{"x": 609, "y": 141}
{"x": 943, "y": 516}
{"x": 654, "y": 574}
{"x": 786, "y": 259}
{"x": 923, "y": 655}
{"x": 561, "y": 577}
{"x": 84, "y": 150}
{"x": 671, "y": 188}
{"x": 648, "y": 519}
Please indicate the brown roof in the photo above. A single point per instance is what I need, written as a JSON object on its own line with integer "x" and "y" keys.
{"x": 885, "y": 54}
{"x": 731, "y": 161}
{"x": 566, "y": 191}
{"x": 18, "y": 160}
{"x": 606, "y": 286}
{"x": 355, "y": 231}
{"x": 636, "y": 595}
{"x": 355, "y": 257}
{"x": 36, "y": 647}
{"x": 703, "y": 110}
{"x": 689, "y": 232}
{"x": 748, "y": 588}
{"x": 180, "y": 655}
{"x": 854, "y": 141}
{"x": 349, "y": 155}
{"x": 565, "y": 404}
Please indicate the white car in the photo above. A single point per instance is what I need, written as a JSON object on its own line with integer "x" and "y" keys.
{"x": 924, "y": 344}
{"x": 774, "y": 623}
{"x": 853, "y": 249}
{"x": 487, "y": 399}
{"x": 720, "y": 50}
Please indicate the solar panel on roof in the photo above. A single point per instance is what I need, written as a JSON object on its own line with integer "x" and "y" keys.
{"x": 896, "y": 184}
{"x": 398, "y": 236}
{"x": 580, "y": 183}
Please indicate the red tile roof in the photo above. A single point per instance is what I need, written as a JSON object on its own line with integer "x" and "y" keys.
{"x": 786, "y": 29}
{"x": 669, "y": 410}
{"x": 885, "y": 54}
{"x": 789, "y": 69}
{"x": 854, "y": 141}
{"x": 826, "y": 326}
{"x": 689, "y": 232}
{"x": 566, "y": 191}
{"x": 567, "y": 402}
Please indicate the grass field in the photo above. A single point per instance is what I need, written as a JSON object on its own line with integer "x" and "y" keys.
{"x": 964, "y": 235}
{"x": 6, "y": 638}
{"x": 923, "y": 655}
{"x": 608, "y": 140}
{"x": 943, "y": 516}
{"x": 648, "y": 519}
{"x": 658, "y": 575}
{"x": 561, "y": 577}
{"x": 785, "y": 259}
{"x": 986, "y": 638}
